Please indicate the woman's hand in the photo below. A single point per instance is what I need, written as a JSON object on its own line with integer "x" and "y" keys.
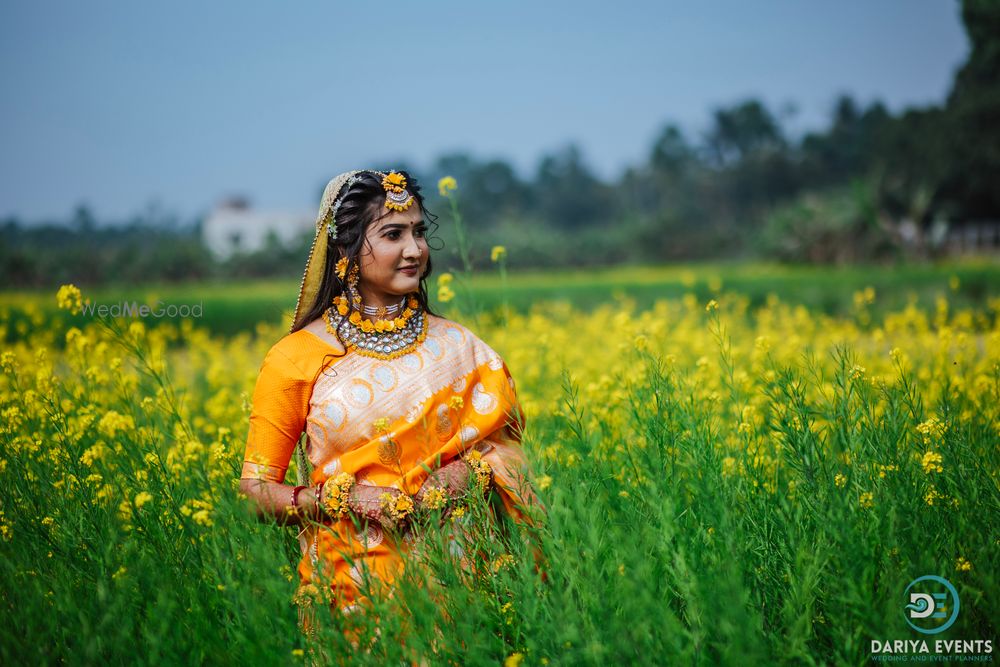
{"x": 366, "y": 502}
{"x": 453, "y": 478}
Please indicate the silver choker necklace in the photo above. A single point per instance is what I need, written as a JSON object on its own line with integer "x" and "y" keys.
{"x": 379, "y": 344}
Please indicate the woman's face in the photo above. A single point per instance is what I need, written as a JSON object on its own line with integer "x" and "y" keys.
{"x": 393, "y": 257}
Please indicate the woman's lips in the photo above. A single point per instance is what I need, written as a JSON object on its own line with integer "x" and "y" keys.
{"x": 410, "y": 270}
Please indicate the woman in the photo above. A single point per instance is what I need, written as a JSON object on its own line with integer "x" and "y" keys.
{"x": 384, "y": 391}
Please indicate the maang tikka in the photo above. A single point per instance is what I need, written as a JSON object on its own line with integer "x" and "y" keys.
{"x": 397, "y": 197}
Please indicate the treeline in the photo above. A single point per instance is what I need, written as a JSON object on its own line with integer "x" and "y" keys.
{"x": 872, "y": 185}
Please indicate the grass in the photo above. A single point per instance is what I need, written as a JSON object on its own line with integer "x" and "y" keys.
{"x": 724, "y": 483}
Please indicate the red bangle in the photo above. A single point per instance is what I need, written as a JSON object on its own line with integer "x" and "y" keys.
{"x": 295, "y": 499}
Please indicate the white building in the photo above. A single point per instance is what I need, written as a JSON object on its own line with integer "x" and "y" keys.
{"x": 233, "y": 227}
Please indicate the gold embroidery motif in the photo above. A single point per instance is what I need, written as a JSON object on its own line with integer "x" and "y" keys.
{"x": 388, "y": 451}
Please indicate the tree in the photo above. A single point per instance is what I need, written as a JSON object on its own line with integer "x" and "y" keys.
{"x": 974, "y": 117}
{"x": 568, "y": 194}
{"x": 741, "y": 131}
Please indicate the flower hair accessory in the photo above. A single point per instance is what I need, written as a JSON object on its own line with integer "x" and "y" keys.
{"x": 396, "y": 196}
{"x": 331, "y": 224}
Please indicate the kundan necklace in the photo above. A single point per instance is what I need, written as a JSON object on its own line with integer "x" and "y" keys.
{"x": 382, "y": 339}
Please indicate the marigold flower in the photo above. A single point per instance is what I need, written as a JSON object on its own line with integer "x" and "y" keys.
{"x": 404, "y": 504}
{"x": 447, "y": 185}
{"x": 435, "y": 498}
{"x": 342, "y": 267}
{"x": 394, "y": 179}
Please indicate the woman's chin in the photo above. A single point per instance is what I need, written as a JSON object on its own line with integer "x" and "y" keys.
{"x": 404, "y": 287}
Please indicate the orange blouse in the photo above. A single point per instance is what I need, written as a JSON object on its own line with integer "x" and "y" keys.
{"x": 383, "y": 421}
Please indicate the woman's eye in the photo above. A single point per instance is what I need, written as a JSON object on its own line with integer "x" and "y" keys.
{"x": 393, "y": 236}
{"x": 419, "y": 232}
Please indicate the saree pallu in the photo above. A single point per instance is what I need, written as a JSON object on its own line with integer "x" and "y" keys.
{"x": 383, "y": 421}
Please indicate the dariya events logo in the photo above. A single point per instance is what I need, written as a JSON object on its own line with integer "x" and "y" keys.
{"x": 931, "y": 606}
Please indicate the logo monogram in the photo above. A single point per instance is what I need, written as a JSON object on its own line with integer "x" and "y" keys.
{"x": 933, "y": 599}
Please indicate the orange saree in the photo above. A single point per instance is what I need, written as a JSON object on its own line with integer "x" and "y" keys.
{"x": 382, "y": 420}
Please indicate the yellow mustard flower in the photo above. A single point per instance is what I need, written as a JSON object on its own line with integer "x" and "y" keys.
{"x": 513, "y": 660}
{"x": 497, "y": 253}
{"x": 931, "y": 462}
{"x": 502, "y": 561}
{"x": 142, "y": 498}
{"x": 447, "y": 185}
{"x": 69, "y": 298}
{"x": 445, "y": 294}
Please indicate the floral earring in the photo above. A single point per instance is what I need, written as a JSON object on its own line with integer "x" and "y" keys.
{"x": 342, "y": 268}
{"x": 352, "y": 287}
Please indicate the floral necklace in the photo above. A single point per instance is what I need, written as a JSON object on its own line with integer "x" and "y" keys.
{"x": 382, "y": 339}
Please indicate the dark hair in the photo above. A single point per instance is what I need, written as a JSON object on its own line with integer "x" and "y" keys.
{"x": 363, "y": 204}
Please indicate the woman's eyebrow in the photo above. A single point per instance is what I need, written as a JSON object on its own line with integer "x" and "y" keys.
{"x": 399, "y": 225}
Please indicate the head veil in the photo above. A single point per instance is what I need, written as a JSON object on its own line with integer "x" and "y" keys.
{"x": 312, "y": 278}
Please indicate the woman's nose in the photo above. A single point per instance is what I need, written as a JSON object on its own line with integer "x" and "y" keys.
{"x": 412, "y": 248}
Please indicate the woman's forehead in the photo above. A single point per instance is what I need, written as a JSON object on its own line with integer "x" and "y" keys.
{"x": 410, "y": 217}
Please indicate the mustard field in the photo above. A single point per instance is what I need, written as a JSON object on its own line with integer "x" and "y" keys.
{"x": 728, "y": 478}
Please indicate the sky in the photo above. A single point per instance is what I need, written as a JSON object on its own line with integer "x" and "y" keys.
{"x": 123, "y": 106}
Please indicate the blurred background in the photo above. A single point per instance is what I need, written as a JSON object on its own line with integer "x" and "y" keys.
{"x": 191, "y": 142}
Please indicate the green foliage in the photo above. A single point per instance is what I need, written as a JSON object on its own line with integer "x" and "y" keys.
{"x": 835, "y": 227}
